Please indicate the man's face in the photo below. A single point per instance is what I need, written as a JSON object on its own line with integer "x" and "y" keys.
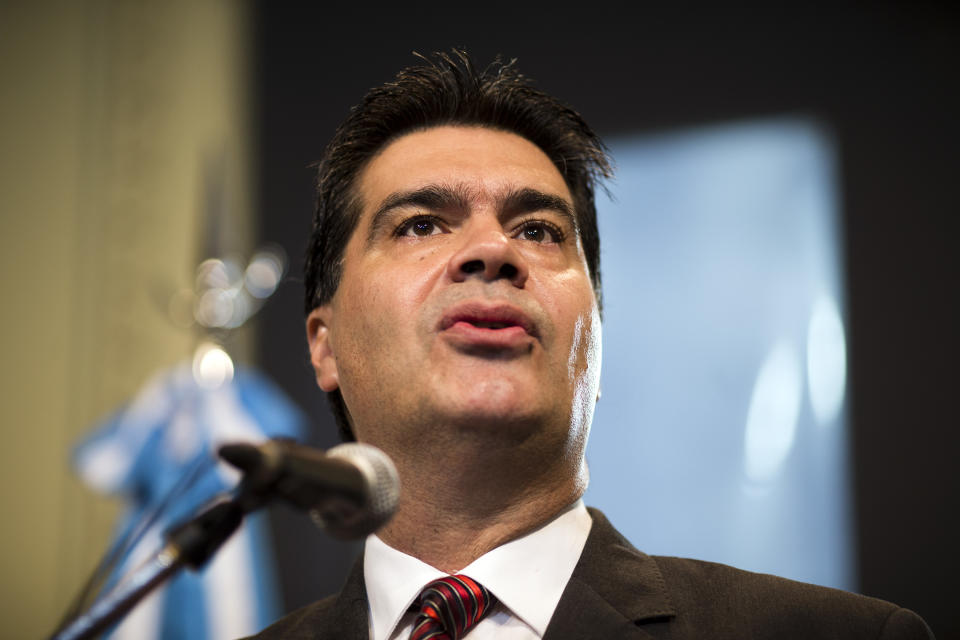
{"x": 465, "y": 304}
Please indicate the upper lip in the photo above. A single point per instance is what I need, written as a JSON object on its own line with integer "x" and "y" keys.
{"x": 487, "y": 313}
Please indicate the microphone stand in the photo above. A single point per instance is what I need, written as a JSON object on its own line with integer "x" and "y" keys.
{"x": 275, "y": 469}
{"x": 190, "y": 544}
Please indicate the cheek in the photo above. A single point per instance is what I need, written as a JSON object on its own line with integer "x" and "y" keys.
{"x": 584, "y": 371}
{"x": 583, "y": 363}
{"x": 572, "y": 307}
{"x": 381, "y": 307}
{"x": 591, "y": 346}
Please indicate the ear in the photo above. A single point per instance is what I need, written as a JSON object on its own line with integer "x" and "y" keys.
{"x": 321, "y": 351}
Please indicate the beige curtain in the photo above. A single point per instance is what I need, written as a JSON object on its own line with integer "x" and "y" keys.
{"x": 120, "y": 121}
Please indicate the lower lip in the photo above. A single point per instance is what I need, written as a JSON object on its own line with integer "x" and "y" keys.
{"x": 481, "y": 337}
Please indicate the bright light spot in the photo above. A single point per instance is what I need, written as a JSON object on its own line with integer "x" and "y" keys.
{"x": 241, "y": 309}
{"x": 212, "y": 367}
{"x": 773, "y": 414}
{"x": 213, "y": 274}
{"x": 214, "y": 308}
{"x": 826, "y": 360}
{"x": 263, "y": 273}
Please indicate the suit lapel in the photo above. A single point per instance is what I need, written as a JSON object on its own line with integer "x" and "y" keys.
{"x": 615, "y": 592}
{"x": 349, "y": 620}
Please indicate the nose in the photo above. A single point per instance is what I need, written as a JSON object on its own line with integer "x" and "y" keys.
{"x": 487, "y": 253}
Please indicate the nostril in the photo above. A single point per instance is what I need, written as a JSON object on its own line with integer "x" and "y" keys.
{"x": 473, "y": 266}
{"x": 508, "y": 271}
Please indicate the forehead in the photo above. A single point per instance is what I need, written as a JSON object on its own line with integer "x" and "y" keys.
{"x": 486, "y": 161}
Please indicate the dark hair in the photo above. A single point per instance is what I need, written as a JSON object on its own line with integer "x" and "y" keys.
{"x": 445, "y": 90}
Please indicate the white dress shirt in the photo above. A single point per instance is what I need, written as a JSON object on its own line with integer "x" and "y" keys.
{"x": 527, "y": 575}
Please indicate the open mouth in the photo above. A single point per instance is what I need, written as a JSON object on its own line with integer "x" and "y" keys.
{"x": 490, "y": 324}
{"x": 482, "y": 323}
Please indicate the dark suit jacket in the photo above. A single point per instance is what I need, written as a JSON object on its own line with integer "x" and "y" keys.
{"x": 618, "y": 592}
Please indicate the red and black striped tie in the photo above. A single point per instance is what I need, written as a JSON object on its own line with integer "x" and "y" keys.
{"x": 449, "y": 607}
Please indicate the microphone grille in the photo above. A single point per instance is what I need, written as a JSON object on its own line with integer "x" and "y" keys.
{"x": 383, "y": 492}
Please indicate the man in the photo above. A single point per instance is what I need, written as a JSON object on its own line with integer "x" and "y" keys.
{"x": 453, "y": 301}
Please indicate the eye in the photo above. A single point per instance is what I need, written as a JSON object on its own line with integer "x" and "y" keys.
{"x": 540, "y": 231}
{"x": 419, "y": 226}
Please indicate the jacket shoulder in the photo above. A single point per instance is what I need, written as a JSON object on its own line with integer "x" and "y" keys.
{"x": 302, "y": 624}
{"x": 709, "y": 594}
{"x": 342, "y": 616}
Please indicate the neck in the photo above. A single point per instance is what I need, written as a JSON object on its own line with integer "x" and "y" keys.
{"x": 477, "y": 498}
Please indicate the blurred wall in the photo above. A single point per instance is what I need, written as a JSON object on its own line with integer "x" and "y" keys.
{"x": 121, "y": 123}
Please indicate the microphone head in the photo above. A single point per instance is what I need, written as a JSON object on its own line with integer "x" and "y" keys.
{"x": 347, "y": 521}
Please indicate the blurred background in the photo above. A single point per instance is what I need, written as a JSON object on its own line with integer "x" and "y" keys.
{"x": 810, "y": 155}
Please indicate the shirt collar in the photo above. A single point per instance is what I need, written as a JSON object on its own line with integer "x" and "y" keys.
{"x": 527, "y": 575}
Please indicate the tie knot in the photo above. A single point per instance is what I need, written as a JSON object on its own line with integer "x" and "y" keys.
{"x": 449, "y": 607}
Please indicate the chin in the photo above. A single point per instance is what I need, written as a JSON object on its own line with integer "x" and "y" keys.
{"x": 496, "y": 404}
{"x": 493, "y": 415}
{"x": 495, "y": 391}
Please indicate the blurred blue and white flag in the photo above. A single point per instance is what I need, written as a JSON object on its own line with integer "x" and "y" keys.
{"x": 159, "y": 453}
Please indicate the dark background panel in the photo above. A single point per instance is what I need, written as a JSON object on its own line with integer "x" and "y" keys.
{"x": 882, "y": 78}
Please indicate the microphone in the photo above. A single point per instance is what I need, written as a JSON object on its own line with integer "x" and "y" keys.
{"x": 350, "y": 491}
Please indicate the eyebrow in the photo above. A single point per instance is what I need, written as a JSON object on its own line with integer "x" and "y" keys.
{"x": 434, "y": 197}
{"x": 528, "y": 200}
{"x": 442, "y": 197}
